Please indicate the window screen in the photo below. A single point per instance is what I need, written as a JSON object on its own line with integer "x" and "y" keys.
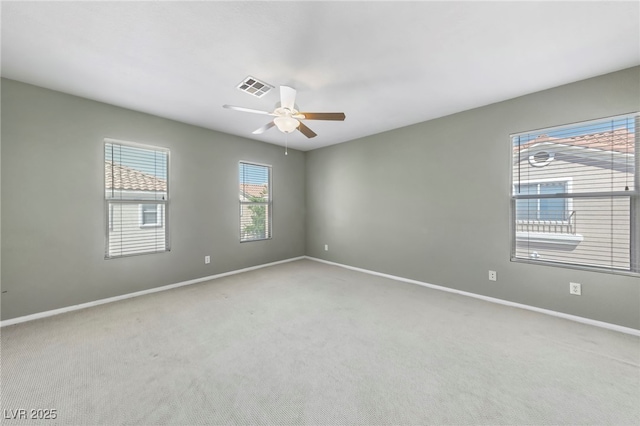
{"x": 136, "y": 197}
{"x": 575, "y": 195}
{"x": 255, "y": 202}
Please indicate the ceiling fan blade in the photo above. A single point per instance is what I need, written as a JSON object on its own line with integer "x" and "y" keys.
{"x": 287, "y": 97}
{"x": 243, "y": 109}
{"x": 264, "y": 128}
{"x": 306, "y": 131}
{"x": 338, "y": 116}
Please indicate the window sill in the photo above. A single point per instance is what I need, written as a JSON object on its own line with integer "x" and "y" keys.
{"x": 549, "y": 238}
{"x": 255, "y": 239}
{"x": 579, "y": 267}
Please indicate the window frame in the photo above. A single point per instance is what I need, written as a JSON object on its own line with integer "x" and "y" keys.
{"x": 268, "y": 204}
{"x": 111, "y": 203}
{"x": 633, "y": 195}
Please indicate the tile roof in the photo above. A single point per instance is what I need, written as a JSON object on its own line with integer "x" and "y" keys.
{"x": 620, "y": 140}
{"x": 254, "y": 190}
{"x": 127, "y": 178}
{"x": 122, "y": 177}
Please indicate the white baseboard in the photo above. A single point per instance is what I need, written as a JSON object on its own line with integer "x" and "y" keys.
{"x": 576, "y": 318}
{"x": 136, "y": 294}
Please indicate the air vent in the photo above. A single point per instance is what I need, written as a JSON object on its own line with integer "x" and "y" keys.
{"x": 255, "y": 87}
{"x": 541, "y": 158}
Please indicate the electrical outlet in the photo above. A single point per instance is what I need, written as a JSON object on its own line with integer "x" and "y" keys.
{"x": 207, "y": 259}
{"x": 493, "y": 276}
{"x": 326, "y": 247}
{"x": 575, "y": 288}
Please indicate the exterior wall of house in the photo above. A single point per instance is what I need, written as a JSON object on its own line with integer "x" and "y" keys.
{"x": 431, "y": 202}
{"x": 53, "y": 240}
{"x": 129, "y": 235}
{"x": 589, "y": 216}
{"x": 129, "y": 230}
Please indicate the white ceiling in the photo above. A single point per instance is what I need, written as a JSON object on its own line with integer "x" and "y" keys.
{"x": 384, "y": 64}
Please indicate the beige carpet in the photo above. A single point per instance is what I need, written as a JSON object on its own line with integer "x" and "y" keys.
{"x": 309, "y": 343}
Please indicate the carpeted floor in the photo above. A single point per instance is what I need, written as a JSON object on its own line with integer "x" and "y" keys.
{"x": 309, "y": 343}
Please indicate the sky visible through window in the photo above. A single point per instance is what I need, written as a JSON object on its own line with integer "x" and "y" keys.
{"x": 253, "y": 174}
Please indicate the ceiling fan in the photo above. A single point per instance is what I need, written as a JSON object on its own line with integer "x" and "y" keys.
{"x": 287, "y": 117}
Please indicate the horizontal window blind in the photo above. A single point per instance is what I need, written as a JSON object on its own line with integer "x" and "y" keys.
{"x": 575, "y": 194}
{"x": 255, "y": 202}
{"x": 136, "y": 198}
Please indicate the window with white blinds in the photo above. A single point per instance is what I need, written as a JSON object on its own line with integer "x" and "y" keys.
{"x": 575, "y": 195}
{"x": 255, "y": 202}
{"x": 136, "y": 199}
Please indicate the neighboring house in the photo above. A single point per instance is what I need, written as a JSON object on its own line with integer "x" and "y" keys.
{"x": 134, "y": 227}
{"x": 568, "y": 229}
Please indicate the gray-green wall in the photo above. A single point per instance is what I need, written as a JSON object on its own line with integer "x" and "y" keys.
{"x": 431, "y": 201}
{"x": 428, "y": 202}
{"x": 53, "y": 205}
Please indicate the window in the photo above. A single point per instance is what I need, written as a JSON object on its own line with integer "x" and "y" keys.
{"x": 575, "y": 195}
{"x": 255, "y": 202}
{"x": 150, "y": 215}
{"x": 543, "y": 208}
{"x": 136, "y": 198}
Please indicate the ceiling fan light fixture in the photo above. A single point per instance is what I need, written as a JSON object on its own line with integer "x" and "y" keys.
{"x": 286, "y": 124}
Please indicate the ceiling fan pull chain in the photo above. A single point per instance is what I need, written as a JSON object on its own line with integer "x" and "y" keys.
{"x": 286, "y": 143}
